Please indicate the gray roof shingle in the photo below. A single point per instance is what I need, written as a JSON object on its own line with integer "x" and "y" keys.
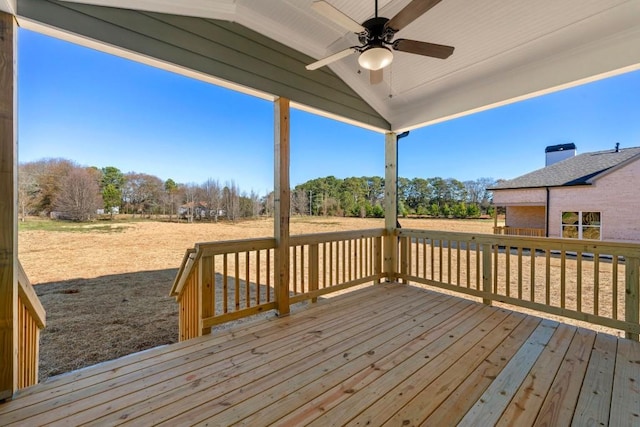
{"x": 576, "y": 170}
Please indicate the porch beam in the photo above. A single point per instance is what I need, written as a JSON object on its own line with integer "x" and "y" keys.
{"x": 8, "y": 210}
{"x": 390, "y": 265}
{"x": 282, "y": 201}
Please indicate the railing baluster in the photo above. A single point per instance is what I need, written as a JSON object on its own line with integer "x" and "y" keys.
{"x": 247, "y": 280}
{"x": 345, "y": 261}
{"x": 440, "y": 257}
{"x": 207, "y": 291}
{"x": 478, "y": 255}
{"x": 269, "y": 275}
{"x": 225, "y": 282}
{"x": 378, "y": 257}
{"x": 324, "y": 265}
{"x": 314, "y": 271}
{"x": 258, "y": 265}
{"x": 458, "y": 262}
{"x": 519, "y": 272}
{"x": 486, "y": 271}
{"x": 350, "y": 256}
{"x": 632, "y": 294}
{"x": 432, "y": 249}
{"x": 496, "y": 253}
{"x": 596, "y": 283}
{"x": 237, "y": 280}
{"x": 448, "y": 261}
{"x": 361, "y": 257}
{"x": 563, "y": 278}
{"x": 468, "y": 244}
{"x": 532, "y": 277}
{"x": 303, "y": 270}
{"x": 579, "y": 282}
{"x": 507, "y": 268}
{"x": 294, "y": 265}
{"x": 331, "y": 264}
{"x": 547, "y": 257}
{"x": 614, "y": 287}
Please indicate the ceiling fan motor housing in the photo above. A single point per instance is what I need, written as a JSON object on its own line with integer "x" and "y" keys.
{"x": 377, "y": 33}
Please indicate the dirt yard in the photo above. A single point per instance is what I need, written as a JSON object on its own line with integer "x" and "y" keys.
{"x": 105, "y": 287}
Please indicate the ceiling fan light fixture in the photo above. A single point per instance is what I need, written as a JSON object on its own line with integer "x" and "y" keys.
{"x": 375, "y": 58}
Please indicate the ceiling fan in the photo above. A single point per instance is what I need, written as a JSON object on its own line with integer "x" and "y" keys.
{"x": 376, "y": 36}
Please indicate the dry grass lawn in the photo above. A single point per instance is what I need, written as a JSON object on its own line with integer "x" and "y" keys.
{"x": 106, "y": 289}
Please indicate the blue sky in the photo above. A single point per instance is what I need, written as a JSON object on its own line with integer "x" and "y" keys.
{"x": 101, "y": 110}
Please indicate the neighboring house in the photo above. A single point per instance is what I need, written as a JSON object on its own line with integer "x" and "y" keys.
{"x": 587, "y": 196}
{"x": 193, "y": 209}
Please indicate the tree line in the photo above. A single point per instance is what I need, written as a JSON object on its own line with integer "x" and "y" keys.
{"x": 63, "y": 189}
{"x": 364, "y": 197}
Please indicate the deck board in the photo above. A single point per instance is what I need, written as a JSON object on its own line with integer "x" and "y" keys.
{"x": 391, "y": 353}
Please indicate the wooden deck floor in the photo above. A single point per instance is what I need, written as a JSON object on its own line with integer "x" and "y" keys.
{"x": 385, "y": 355}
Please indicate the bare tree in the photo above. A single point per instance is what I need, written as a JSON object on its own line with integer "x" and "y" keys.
{"x": 255, "y": 204}
{"x": 231, "y": 200}
{"x": 79, "y": 196}
{"x": 268, "y": 204}
{"x": 27, "y": 189}
{"x": 299, "y": 201}
{"x": 142, "y": 193}
{"x": 213, "y": 198}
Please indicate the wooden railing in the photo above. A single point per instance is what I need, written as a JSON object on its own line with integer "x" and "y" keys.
{"x": 31, "y": 319}
{"x": 328, "y": 262}
{"x": 519, "y": 231}
{"x": 597, "y": 282}
{"x": 222, "y": 281}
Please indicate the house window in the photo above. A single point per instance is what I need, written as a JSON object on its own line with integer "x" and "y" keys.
{"x": 581, "y": 225}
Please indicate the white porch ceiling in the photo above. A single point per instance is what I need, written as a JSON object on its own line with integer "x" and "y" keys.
{"x": 505, "y": 50}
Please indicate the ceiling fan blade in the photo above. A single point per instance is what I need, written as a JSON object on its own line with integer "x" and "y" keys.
{"x": 330, "y": 12}
{"x": 331, "y": 58}
{"x": 376, "y": 76}
{"x": 412, "y": 11}
{"x": 423, "y": 48}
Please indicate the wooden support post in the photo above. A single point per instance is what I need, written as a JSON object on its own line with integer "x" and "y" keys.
{"x": 282, "y": 205}
{"x": 632, "y": 294}
{"x": 390, "y": 205}
{"x": 487, "y": 273}
{"x": 8, "y": 211}
{"x": 206, "y": 290}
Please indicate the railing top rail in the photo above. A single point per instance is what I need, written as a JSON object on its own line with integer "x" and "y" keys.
{"x": 231, "y": 246}
{"x": 30, "y": 299}
{"x": 598, "y": 246}
{"x": 201, "y": 249}
{"x": 310, "y": 239}
{"x": 183, "y": 272}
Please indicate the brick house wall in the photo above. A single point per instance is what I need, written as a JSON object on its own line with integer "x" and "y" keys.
{"x": 526, "y": 216}
{"x": 522, "y": 196}
{"x": 616, "y": 195}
